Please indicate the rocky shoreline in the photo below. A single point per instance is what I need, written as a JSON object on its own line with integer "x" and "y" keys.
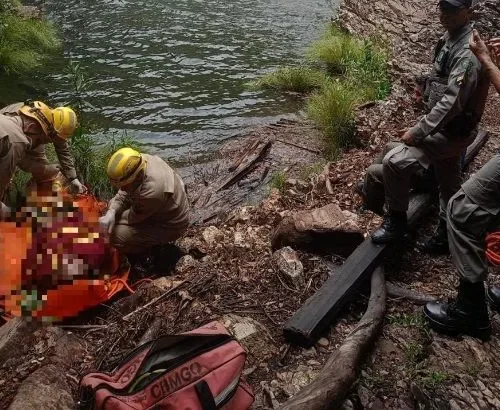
{"x": 230, "y": 273}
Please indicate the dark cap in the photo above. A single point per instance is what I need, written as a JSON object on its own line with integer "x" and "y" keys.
{"x": 464, "y": 4}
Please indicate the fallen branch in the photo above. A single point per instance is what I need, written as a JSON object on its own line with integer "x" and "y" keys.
{"x": 314, "y": 151}
{"x": 154, "y": 301}
{"x": 246, "y": 165}
{"x": 396, "y": 291}
{"x": 334, "y": 382}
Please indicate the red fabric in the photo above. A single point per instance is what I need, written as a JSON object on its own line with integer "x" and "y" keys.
{"x": 32, "y": 251}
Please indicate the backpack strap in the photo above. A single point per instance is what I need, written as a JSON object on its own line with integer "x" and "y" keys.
{"x": 205, "y": 396}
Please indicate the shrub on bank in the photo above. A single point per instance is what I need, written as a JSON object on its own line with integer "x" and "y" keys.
{"x": 24, "y": 42}
{"x": 355, "y": 71}
{"x": 296, "y": 79}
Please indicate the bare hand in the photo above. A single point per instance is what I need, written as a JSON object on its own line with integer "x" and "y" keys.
{"x": 478, "y": 46}
{"x": 407, "y": 138}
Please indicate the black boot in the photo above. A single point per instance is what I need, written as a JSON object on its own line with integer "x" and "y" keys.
{"x": 140, "y": 266}
{"x": 467, "y": 315}
{"x": 437, "y": 244}
{"x": 368, "y": 205}
{"x": 493, "y": 296}
{"x": 392, "y": 229}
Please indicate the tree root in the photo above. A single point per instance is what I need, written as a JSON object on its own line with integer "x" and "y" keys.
{"x": 396, "y": 291}
{"x": 334, "y": 382}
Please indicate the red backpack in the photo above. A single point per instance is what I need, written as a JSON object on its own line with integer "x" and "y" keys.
{"x": 197, "y": 370}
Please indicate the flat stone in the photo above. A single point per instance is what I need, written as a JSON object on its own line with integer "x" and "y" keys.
{"x": 290, "y": 266}
{"x": 323, "y": 342}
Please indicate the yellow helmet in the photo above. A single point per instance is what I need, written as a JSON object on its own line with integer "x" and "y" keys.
{"x": 64, "y": 122}
{"x": 41, "y": 113}
{"x": 124, "y": 166}
{"x": 59, "y": 122}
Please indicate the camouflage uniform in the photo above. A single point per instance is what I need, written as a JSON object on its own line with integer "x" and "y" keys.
{"x": 473, "y": 212}
{"x": 455, "y": 95}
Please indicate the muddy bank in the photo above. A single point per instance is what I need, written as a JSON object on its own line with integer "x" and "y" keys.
{"x": 230, "y": 273}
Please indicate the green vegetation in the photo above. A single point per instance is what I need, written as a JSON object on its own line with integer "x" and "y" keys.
{"x": 297, "y": 79}
{"x": 353, "y": 71}
{"x": 408, "y": 320}
{"x": 434, "y": 379}
{"x": 90, "y": 153}
{"x": 24, "y": 42}
{"x": 278, "y": 181}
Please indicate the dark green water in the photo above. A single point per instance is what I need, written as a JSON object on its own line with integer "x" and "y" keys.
{"x": 173, "y": 73}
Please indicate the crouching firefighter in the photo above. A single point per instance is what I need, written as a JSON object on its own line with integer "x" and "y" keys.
{"x": 151, "y": 208}
{"x": 24, "y": 130}
{"x": 473, "y": 212}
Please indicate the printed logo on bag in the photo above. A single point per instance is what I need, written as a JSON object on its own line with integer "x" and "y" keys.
{"x": 178, "y": 379}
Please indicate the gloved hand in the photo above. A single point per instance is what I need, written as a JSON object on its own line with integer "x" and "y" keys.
{"x": 4, "y": 211}
{"x": 108, "y": 221}
{"x": 77, "y": 187}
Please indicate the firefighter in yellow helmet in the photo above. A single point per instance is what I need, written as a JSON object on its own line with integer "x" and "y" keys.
{"x": 151, "y": 207}
{"x": 24, "y": 130}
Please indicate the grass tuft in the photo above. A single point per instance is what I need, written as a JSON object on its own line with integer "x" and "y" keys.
{"x": 332, "y": 109}
{"x": 292, "y": 79}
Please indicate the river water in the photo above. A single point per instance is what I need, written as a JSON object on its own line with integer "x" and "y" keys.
{"x": 173, "y": 73}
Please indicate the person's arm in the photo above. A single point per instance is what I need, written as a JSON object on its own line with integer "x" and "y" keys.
{"x": 480, "y": 49}
{"x": 142, "y": 209}
{"x": 462, "y": 83}
{"x": 65, "y": 159}
{"x": 120, "y": 202}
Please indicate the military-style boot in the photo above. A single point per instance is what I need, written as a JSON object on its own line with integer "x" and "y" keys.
{"x": 367, "y": 204}
{"x": 437, "y": 244}
{"x": 493, "y": 296}
{"x": 392, "y": 229}
{"x": 467, "y": 315}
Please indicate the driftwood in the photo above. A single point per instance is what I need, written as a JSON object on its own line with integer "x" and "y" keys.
{"x": 154, "y": 301}
{"x": 396, "y": 291}
{"x": 246, "y": 165}
{"x": 334, "y": 382}
{"x": 293, "y": 144}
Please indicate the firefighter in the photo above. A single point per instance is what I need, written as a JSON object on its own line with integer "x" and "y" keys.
{"x": 151, "y": 208}
{"x": 24, "y": 130}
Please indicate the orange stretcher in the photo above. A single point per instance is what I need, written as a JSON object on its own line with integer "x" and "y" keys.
{"x": 20, "y": 268}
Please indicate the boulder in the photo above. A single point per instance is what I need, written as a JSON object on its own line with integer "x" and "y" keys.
{"x": 324, "y": 230}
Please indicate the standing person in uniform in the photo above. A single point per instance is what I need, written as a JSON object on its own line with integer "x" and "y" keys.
{"x": 24, "y": 130}
{"x": 459, "y": 90}
{"x": 473, "y": 212}
{"x": 151, "y": 208}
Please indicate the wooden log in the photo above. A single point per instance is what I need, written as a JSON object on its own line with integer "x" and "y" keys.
{"x": 334, "y": 382}
{"x": 322, "y": 308}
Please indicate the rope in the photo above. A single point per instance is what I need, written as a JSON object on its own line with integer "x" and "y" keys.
{"x": 493, "y": 248}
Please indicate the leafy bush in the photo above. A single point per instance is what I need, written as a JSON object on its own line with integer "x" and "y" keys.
{"x": 24, "y": 42}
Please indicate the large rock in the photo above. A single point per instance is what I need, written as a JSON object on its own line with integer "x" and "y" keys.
{"x": 325, "y": 229}
{"x": 48, "y": 387}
